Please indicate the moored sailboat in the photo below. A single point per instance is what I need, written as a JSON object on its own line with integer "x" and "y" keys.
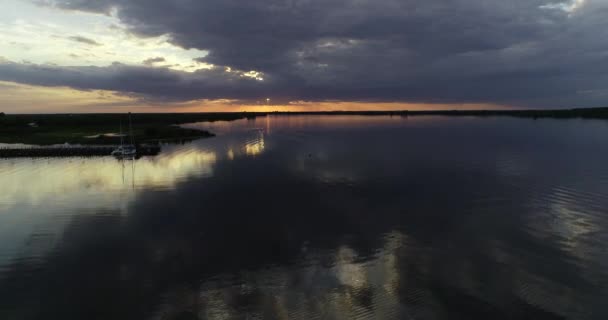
{"x": 126, "y": 150}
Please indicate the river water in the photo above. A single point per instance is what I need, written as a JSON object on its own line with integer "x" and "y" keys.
{"x": 317, "y": 217}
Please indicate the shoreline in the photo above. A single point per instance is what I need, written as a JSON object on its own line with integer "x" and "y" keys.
{"x": 183, "y": 118}
{"x": 585, "y": 113}
{"x": 98, "y": 129}
{"x": 93, "y": 128}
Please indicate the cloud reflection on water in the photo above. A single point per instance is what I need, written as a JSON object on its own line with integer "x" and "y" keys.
{"x": 38, "y": 181}
{"x": 451, "y": 220}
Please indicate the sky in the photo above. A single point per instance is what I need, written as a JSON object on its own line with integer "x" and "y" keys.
{"x": 265, "y": 55}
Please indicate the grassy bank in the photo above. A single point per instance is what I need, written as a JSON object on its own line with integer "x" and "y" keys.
{"x": 45, "y": 129}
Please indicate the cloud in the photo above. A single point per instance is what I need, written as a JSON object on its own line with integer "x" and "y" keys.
{"x": 152, "y": 61}
{"x": 150, "y": 84}
{"x": 570, "y": 6}
{"x": 84, "y": 40}
{"x": 461, "y": 51}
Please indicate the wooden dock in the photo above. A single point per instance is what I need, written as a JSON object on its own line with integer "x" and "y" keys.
{"x": 79, "y": 151}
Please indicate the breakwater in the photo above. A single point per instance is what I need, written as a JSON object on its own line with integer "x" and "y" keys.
{"x": 72, "y": 151}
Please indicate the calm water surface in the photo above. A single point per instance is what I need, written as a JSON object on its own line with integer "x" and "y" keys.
{"x": 317, "y": 217}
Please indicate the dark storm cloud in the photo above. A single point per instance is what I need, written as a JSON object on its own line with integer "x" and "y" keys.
{"x": 149, "y": 83}
{"x": 152, "y": 61}
{"x": 522, "y": 52}
{"x": 84, "y": 40}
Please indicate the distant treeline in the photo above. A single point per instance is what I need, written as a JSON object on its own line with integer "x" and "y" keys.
{"x": 592, "y": 113}
{"x": 181, "y": 118}
{"x": 105, "y": 119}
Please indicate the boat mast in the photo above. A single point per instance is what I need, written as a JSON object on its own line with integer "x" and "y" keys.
{"x": 121, "y": 137}
{"x": 131, "y": 130}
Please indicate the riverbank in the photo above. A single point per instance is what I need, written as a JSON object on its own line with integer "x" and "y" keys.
{"x": 585, "y": 113}
{"x": 103, "y": 129}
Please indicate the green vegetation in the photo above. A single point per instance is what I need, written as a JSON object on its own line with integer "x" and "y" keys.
{"x": 45, "y": 129}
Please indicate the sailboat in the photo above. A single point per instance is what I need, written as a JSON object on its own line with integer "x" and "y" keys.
{"x": 125, "y": 150}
